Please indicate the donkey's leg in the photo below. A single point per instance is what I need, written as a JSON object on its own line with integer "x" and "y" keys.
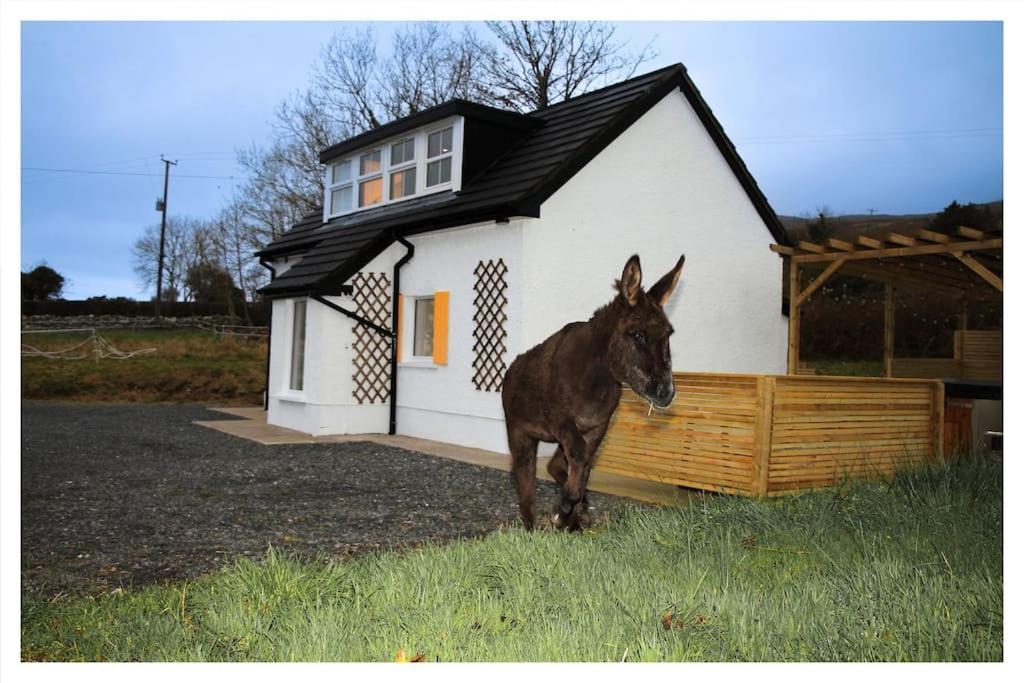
{"x": 593, "y": 438}
{"x": 558, "y": 468}
{"x": 574, "y": 448}
{"x": 524, "y": 474}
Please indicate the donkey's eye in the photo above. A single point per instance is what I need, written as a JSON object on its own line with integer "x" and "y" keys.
{"x": 639, "y": 336}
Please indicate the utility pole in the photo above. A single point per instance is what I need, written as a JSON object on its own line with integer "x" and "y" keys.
{"x": 872, "y": 212}
{"x": 162, "y": 205}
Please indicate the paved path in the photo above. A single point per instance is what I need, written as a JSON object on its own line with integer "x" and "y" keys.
{"x": 253, "y": 426}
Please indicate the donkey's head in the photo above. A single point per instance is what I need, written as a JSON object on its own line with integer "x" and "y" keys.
{"x": 638, "y": 353}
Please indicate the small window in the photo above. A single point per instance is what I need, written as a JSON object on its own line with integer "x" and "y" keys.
{"x": 403, "y": 183}
{"x": 298, "y": 345}
{"x": 423, "y": 340}
{"x": 341, "y": 173}
{"x": 340, "y": 187}
{"x": 371, "y": 183}
{"x": 369, "y": 163}
{"x": 403, "y": 152}
{"x": 439, "y": 157}
{"x": 341, "y": 199}
{"x": 439, "y": 143}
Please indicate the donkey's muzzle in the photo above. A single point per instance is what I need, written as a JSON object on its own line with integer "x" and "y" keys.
{"x": 663, "y": 394}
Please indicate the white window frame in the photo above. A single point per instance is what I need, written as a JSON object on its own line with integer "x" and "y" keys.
{"x": 332, "y": 186}
{"x": 420, "y": 162}
{"x": 364, "y": 177}
{"x": 289, "y": 378}
{"x": 440, "y": 157}
{"x": 403, "y": 166}
{"x": 409, "y": 338}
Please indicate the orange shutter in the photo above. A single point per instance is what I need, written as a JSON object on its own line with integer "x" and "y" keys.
{"x": 398, "y": 334}
{"x": 441, "y": 328}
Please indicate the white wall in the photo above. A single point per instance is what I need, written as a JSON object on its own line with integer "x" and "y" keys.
{"x": 441, "y": 402}
{"x": 326, "y": 404}
{"x": 437, "y": 402}
{"x": 661, "y": 189}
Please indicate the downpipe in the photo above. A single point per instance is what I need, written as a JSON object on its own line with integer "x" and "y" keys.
{"x": 270, "y": 330}
{"x": 395, "y": 289}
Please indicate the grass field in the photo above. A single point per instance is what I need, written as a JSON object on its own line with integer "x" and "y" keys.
{"x": 188, "y": 365}
{"x": 909, "y": 569}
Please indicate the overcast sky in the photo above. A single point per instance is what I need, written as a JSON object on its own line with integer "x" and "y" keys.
{"x": 895, "y": 117}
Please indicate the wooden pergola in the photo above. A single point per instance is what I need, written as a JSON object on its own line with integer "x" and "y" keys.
{"x": 965, "y": 263}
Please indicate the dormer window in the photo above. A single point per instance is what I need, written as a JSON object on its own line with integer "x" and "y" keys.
{"x": 340, "y": 190}
{"x": 439, "y": 157}
{"x": 371, "y": 182}
{"x": 403, "y": 169}
{"x": 416, "y": 163}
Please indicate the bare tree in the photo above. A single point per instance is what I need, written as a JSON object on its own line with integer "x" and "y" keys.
{"x": 539, "y": 63}
{"x": 186, "y": 243}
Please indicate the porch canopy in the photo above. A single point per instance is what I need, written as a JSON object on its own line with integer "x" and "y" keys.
{"x": 963, "y": 262}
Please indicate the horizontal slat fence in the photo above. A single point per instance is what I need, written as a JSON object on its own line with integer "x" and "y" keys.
{"x": 766, "y": 435}
{"x": 978, "y": 355}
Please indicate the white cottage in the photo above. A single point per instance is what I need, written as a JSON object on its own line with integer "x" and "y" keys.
{"x": 474, "y": 233}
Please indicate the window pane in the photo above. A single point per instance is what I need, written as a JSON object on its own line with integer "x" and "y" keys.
{"x": 423, "y": 342}
{"x": 403, "y": 183}
{"x": 439, "y": 172}
{"x": 341, "y": 173}
{"x": 341, "y": 199}
{"x": 369, "y": 163}
{"x": 370, "y": 192}
{"x": 439, "y": 142}
{"x": 402, "y": 152}
{"x": 298, "y": 345}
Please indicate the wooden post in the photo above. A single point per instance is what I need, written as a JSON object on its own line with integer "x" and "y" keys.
{"x": 763, "y": 435}
{"x": 889, "y": 336}
{"x": 958, "y": 337}
{"x": 938, "y": 417}
{"x": 794, "y": 317}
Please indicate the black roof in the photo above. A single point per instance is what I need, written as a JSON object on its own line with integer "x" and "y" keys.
{"x": 565, "y": 137}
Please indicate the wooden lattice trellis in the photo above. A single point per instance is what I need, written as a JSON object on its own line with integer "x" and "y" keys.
{"x": 489, "y": 325}
{"x": 372, "y": 350}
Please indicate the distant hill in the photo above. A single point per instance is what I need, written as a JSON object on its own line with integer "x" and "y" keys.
{"x": 870, "y": 225}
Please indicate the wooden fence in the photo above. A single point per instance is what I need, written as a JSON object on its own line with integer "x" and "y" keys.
{"x": 978, "y": 354}
{"x": 767, "y": 435}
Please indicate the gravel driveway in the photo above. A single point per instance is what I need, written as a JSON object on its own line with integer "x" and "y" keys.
{"x": 117, "y": 495}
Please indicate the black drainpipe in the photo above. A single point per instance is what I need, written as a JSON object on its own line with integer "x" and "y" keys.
{"x": 395, "y": 289}
{"x": 270, "y": 329}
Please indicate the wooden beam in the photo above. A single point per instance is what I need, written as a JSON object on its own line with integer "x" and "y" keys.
{"x": 842, "y": 245}
{"x": 870, "y": 242}
{"x": 818, "y": 281}
{"x": 985, "y": 274}
{"x": 904, "y": 240}
{"x": 811, "y": 246}
{"x": 889, "y": 329}
{"x": 932, "y": 236}
{"x": 782, "y": 249}
{"x": 970, "y": 233}
{"x": 994, "y": 243}
{"x": 793, "y": 359}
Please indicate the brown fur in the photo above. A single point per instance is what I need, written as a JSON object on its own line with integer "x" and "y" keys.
{"x": 565, "y": 389}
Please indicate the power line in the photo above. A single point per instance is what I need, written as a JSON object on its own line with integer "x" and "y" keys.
{"x": 157, "y": 175}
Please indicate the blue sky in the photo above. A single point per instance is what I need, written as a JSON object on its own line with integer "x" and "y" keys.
{"x": 897, "y": 117}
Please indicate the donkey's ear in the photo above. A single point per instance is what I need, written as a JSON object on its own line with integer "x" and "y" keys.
{"x": 663, "y": 288}
{"x": 629, "y": 285}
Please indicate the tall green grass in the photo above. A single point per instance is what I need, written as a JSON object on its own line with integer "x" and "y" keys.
{"x": 908, "y": 569}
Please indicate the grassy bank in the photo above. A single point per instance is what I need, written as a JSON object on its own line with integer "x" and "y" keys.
{"x": 188, "y": 365}
{"x": 903, "y": 570}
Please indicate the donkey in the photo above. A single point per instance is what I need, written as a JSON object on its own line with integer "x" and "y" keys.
{"x": 565, "y": 389}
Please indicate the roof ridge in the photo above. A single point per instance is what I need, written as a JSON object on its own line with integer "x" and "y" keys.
{"x": 619, "y": 84}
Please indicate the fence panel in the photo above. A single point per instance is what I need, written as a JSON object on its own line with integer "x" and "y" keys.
{"x": 758, "y": 435}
